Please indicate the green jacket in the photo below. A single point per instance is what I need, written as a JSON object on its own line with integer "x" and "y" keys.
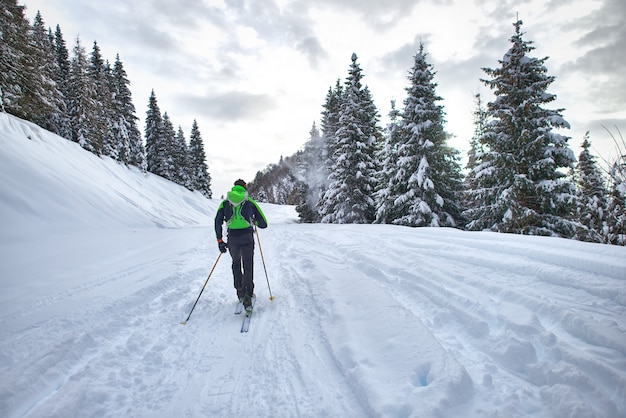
{"x": 240, "y": 213}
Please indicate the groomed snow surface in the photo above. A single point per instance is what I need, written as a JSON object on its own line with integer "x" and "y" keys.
{"x": 100, "y": 263}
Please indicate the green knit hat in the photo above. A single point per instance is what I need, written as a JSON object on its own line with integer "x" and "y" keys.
{"x": 237, "y": 195}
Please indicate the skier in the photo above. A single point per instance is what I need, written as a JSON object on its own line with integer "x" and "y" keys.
{"x": 240, "y": 213}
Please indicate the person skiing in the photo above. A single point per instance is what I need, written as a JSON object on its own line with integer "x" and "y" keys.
{"x": 241, "y": 213}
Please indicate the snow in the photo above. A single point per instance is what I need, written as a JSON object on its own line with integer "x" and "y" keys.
{"x": 101, "y": 263}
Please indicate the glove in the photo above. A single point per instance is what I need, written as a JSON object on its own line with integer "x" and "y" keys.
{"x": 222, "y": 245}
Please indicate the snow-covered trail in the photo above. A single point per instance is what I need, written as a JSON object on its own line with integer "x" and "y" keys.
{"x": 99, "y": 264}
{"x": 114, "y": 346}
{"x": 482, "y": 319}
{"x": 505, "y": 325}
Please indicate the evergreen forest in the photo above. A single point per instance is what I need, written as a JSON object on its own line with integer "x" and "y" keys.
{"x": 84, "y": 98}
{"x": 521, "y": 176}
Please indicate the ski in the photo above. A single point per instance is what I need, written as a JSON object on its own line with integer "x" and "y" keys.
{"x": 245, "y": 324}
{"x": 239, "y": 308}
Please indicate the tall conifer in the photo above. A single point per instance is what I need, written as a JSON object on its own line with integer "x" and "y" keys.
{"x": 350, "y": 194}
{"x": 425, "y": 189}
{"x": 617, "y": 205}
{"x": 520, "y": 182}
{"x": 45, "y": 101}
{"x": 81, "y": 102}
{"x": 102, "y": 111}
{"x": 125, "y": 131}
{"x": 154, "y": 136}
{"x": 62, "y": 79}
{"x": 592, "y": 201}
{"x": 200, "y": 177}
{"x": 13, "y": 52}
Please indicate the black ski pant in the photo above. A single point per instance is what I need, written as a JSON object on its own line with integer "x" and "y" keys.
{"x": 241, "y": 249}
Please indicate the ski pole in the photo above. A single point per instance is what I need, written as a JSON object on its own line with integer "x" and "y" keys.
{"x": 202, "y": 290}
{"x": 263, "y": 259}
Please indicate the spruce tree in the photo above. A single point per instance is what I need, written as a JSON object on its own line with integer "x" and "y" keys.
{"x": 81, "y": 102}
{"x": 181, "y": 159}
{"x": 169, "y": 157}
{"x": 350, "y": 194}
{"x": 13, "y": 52}
{"x": 617, "y": 206}
{"x": 481, "y": 120}
{"x": 592, "y": 201}
{"x": 102, "y": 112}
{"x": 127, "y": 136}
{"x": 200, "y": 177}
{"x": 154, "y": 137}
{"x": 329, "y": 127}
{"x": 46, "y": 101}
{"x": 306, "y": 213}
{"x": 311, "y": 174}
{"x": 62, "y": 79}
{"x": 475, "y": 154}
{"x": 330, "y": 121}
{"x": 22, "y": 81}
{"x": 520, "y": 182}
{"x": 425, "y": 189}
{"x": 389, "y": 169}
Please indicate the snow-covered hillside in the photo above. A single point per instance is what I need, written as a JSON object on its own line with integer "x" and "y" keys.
{"x": 99, "y": 264}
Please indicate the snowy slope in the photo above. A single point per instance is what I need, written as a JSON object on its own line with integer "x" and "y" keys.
{"x": 99, "y": 264}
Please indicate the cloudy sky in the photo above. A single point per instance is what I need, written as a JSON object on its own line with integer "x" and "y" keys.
{"x": 255, "y": 73}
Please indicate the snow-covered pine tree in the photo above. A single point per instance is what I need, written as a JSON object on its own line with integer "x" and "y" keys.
{"x": 101, "y": 140}
{"x": 310, "y": 172}
{"x": 154, "y": 137}
{"x": 81, "y": 101}
{"x": 475, "y": 153}
{"x": 62, "y": 79}
{"x": 426, "y": 188}
{"x": 617, "y": 205}
{"x": 47, "y": 100}
{"x": 170, "y": 149}
{"x": 350, "y": 194}
{"x": 388, "y": 155}
{"x": 24, "y": 74}
{"x": 13, "y": 51}
{"x": 481, "y": 120}
{"x": 592, "y": 197}
{"x": 329, "y": 126}
{"x": 200, "y": 177}
{"x": 520, "y": 181}
{"x": 126, "y": 134}
{"x": 306, "y": 213}
{"x": 181, "y": 160}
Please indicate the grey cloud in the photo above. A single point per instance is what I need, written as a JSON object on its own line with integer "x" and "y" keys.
{"x": 380, "y": 14}
{"x": 229, "y": 106}
{"x": 288, "y": 26}
{"x": 605, "y": 32}
{"x": 146, "y": 24}
{"x": 505, "y": 10}
{"x": 145, "y": 29}
{"x": 311, "y": 47}
{"x": 183, "y": 13}
{"x": 466, "y": 74}
{"x": 400, "y": 61}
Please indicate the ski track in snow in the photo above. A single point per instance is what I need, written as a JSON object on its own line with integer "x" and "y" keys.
{"x": 463, "y": 335}
{"x": 472, "y": 316}
{"x": 131, "y": 357}
{"x": 367, "y": 321}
